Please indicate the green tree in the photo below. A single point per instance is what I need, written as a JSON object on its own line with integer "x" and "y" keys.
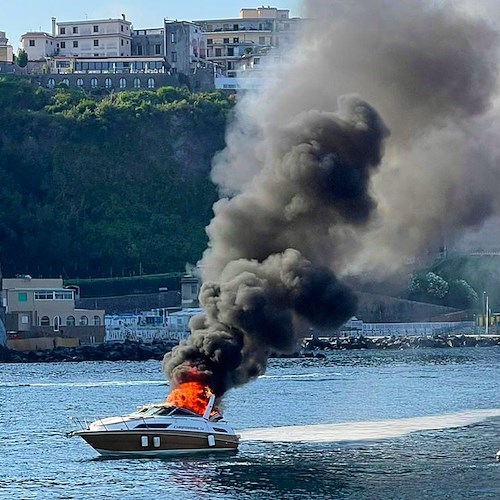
{"x": 22, "y": 58}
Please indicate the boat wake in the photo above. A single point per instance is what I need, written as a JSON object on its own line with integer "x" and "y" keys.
{"x": 367, "y": 431}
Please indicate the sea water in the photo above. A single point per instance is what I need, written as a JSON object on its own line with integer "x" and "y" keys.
{"x": 355, "y": 425}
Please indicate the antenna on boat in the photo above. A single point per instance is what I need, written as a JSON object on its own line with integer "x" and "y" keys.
{"x": 208, "y": 409}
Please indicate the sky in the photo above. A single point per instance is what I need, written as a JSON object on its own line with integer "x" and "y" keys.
{"x": 18, "y": 17}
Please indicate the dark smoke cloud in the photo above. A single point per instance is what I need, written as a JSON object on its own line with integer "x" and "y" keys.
{"x": 251, "y": 312}
{"x": 317, "y": 174}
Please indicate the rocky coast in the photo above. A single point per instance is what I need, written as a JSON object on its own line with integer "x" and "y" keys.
{"x": 311, "y": 348}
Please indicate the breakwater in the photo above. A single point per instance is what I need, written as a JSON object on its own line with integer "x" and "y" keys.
{"x": 312, "y": 347}
{"x": 399, "y": 342}
{"x": 126, "y": 351}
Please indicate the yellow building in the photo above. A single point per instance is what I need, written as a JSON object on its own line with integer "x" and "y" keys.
{"x": 229, "y": 40}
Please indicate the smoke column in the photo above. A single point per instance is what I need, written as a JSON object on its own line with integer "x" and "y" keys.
{"x": 306, "y": 191}
{"x": 316, "y": 174}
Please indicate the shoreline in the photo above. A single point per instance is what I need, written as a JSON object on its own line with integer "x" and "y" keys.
{"x": 311, "y": 348}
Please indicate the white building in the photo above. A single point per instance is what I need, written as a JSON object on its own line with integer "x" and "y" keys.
{"x": 38, "y": 45}
{"x": 145, "y": 327}
{"x": 89, "y": 38}
{"x": 178, "y": 322}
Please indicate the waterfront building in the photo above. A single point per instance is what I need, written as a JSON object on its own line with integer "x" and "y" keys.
{"x": 178, "y": 322}
{"x": 41, "y": 314}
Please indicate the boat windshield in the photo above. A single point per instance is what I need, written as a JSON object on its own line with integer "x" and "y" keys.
{"x": 164, "y": 410}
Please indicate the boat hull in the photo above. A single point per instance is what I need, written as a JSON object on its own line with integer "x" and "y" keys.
{"x": 156, "y": 442}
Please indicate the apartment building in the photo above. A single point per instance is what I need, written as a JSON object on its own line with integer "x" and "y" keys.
{"x": 41, "y": 313}
{"x": 252, "y": 33}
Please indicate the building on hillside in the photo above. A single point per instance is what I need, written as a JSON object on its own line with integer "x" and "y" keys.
{"x": 231, "y": 42}
{"x": 89, "y": 38}
{"x": 148, "y": 42}
{"x": 6, "y": 52}
{"x": 41, "y": 314}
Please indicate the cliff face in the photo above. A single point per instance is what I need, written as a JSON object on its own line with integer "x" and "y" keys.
{"x": 100, "y": 185}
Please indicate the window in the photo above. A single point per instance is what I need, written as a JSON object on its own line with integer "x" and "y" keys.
{"x": 230, "y": 51}
{"x": 137, "y": 83}
{"x": 96, "y": 43}
{"x": 63, "y": 45}
{"x": 226, "y": 40}
{"x": 65, "y": 81}
{"x": 32, "y": 43}
{"x": 139, "y": 50}
{"x": 262, "y": 40}
{"x": 157, "y": 48}
{"x": 174, "y": 57}
{"x": 151, "y": 83}
{"x": 79, "y": 82}
{"x": 75, "y": 29}
{"x": 63, "y": 295}
{"x": 96, "y": 28}
{"x": 122, "y": 27}
{"x": 93, "y": 83}
{"x": 51, "y": 83}
{"x": 62, "y": 31}
{"x": 75, "y": 43}
{"x": 122, "y": 42}
{"x": 123, "y": 83}
{"x": 70, "y": 321}
{"x": 172, "y": 38}
{"x": 194, "y": 289}
{"x": 210, "y": 27}
{"x": 22, "y": 297}
{"x": 44, "y": 294}
{"x": 44, "y": 321}
{"x": 57, "y": 323}
{"x": 236, "y": 39}
{"x": 218, "y": 52}
{"x": 210, "y": 41}
{"x": 84, "y": 321}
{"x": 25, "y": 319}
{"x": 97, "y": 320}
{"x": 236, "y": 27}
{"x": 108, "y": 83}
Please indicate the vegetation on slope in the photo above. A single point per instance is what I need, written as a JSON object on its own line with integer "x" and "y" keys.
{"x": 459, "y": 281}
{"x": 110, "y": 185}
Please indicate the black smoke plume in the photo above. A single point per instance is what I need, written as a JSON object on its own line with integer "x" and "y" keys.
{"x": 268, "y": 243}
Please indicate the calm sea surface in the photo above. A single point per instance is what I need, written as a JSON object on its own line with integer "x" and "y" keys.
{"x": 371, "y": 424}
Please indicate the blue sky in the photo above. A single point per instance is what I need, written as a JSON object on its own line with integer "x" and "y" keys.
{"x": 17, "y": 17}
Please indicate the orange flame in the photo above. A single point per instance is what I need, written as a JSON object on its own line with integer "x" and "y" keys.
{"x": 192, "y": 396}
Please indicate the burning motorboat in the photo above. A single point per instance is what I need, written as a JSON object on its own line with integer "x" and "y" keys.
{"x": 161, "y": 429}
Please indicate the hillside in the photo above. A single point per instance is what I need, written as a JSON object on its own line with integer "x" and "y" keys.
{"x": 100, "y": 185}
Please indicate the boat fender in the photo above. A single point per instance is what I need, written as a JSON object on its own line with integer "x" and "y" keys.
{"x": 211, "y": 440}
{"x": 497, "y": 456}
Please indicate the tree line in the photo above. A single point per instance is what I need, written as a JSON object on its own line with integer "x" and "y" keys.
{"x": 105, "y": 185}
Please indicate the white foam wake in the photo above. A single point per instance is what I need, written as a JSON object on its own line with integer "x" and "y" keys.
{"x": 367, "y": 431}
